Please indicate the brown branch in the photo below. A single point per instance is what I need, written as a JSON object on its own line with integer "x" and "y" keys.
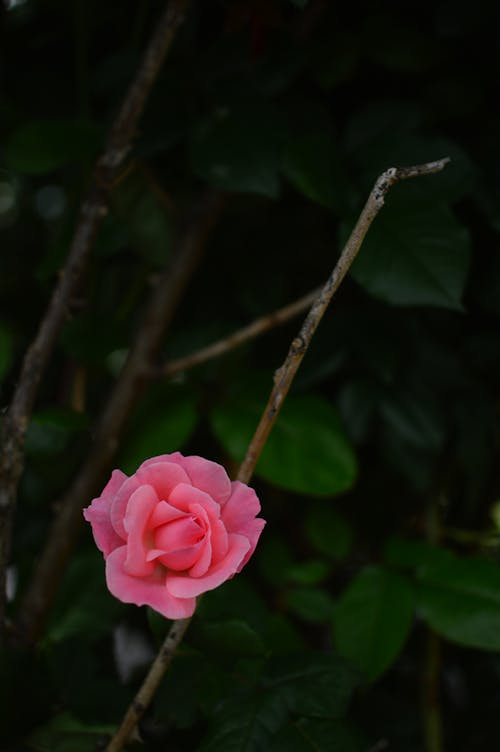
{"x": 285, "y": 375}
{"x": 150, "y": 684}
{"x": 283, "y": 380}
{"x": 245, "y": 334}
{"x": 143, "y": 352}
{"x": 92, "y": 211}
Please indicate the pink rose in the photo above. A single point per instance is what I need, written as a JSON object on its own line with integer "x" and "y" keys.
{"x": 176, "y": 528}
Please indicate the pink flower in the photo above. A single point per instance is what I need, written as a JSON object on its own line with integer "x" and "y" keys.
{"x": 174, "y": 529}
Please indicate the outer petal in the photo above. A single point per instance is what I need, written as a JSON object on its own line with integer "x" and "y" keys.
{"x": 119, "y": 504}
{"x": 114, "y": 483}
{"x": 144, "y": 591}
{"x": 208, "y": 476}
{"x": 139, "y": 508}
{"x": 98, "y": 514}
{"x": 163, "y": 476}
{"x": 184, "y": 586}
{"x": 241, "y": 509}
{"x": 252, "y": 531}
{"x": 175, "y": 457}
{"x": 239, "y": 516}
{"x": 105, "y": 536}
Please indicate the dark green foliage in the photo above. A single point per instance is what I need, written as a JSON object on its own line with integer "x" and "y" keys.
{"x": 307, "y": 452}
{"x": 415, "y": 255}
{"x": 380, "y": 477}
{"x": 460, "y": 599}
{"x": 42, "y": 146}
{"x": 373, "y": 618}
{"x": 307, "y": 686}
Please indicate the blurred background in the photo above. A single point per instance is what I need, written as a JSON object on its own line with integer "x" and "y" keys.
{"x": 369, "y": 617}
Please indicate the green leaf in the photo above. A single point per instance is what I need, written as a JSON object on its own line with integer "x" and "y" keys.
{"x": 311, "y": 604}
{"x": 328, "y": 531}
{"x": 147, "y": 221}
{"x": 460, "y": 599}
{"x": 317, "y": 685}
{"x": 50, "y": 430}
{"x": 229, "y": 637}
{"x": 307, "y": 450}
{"x": 246, "y": 723}
{"x": 237, "y": 148}
{"x": 318, "y": 735}
{"x": 84, "y": 605}
{"x": 274, "y": 560}
{"x": 458, "y": 178}
{"x": 44, "y": 145}
{"x": 414, "y": 255}
{"x": 162, "y": 426}
{"x": 373, "y": 618}
{"x": 281, "y": 636}
{"x": 308, "y": 572}
{"x": 236, "y": 596}
{"x": 311, "y": 159}
{"x": 414, "y": 554}
{"x": 313, "y": 684}
{"x": 357, "y": 402}
{"x": 415, "y": 417}
{"x": 5, "y": 349}
{"x": 64, "y": 733}
{"x": 194, "y": 684}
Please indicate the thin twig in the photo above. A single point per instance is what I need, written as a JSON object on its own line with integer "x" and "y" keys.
{"x": 283, "y": 379}
{"x": 150, "y": 684}
{"x": 92, "y": 211}
{"x": 245, "y": 334}
{"x": 285, "y": 375}
{"x": 143, "y": 352}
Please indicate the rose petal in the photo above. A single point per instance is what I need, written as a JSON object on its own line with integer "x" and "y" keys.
{"x": 181, "y": 559}
{"x": 119, "y": 504}
{"x": 183, "y": 586}
{"x": 175, "y": 457}
{"x": 182, "y": 533}
{"x": 105, "y": 536}
{"x": 184, "y": 496}
{"x": 204, "y": 559}
{"x": 253, "y": 530}
{"x": 219, "y": 540}
{"x": 98, "y": 514}
{"x": 163, "y": 476}
{"x": 136, "y": 523}
{"x": 208, "y": 476}
{"x": 164, "y": 513}
{"x": 201, "y": 563}
{"x": 145, "y": 591}
{"x": 242, "y": 508}
{"x": 114, "y": 483}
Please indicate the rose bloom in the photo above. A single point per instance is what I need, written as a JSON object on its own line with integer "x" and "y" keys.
{"x": 174, "y": 529}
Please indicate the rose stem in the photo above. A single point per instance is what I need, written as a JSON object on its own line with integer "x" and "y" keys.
{"x": 93, "y": 208}
{"x": 282, "y": 382}
{"x": 159, "y": 312}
